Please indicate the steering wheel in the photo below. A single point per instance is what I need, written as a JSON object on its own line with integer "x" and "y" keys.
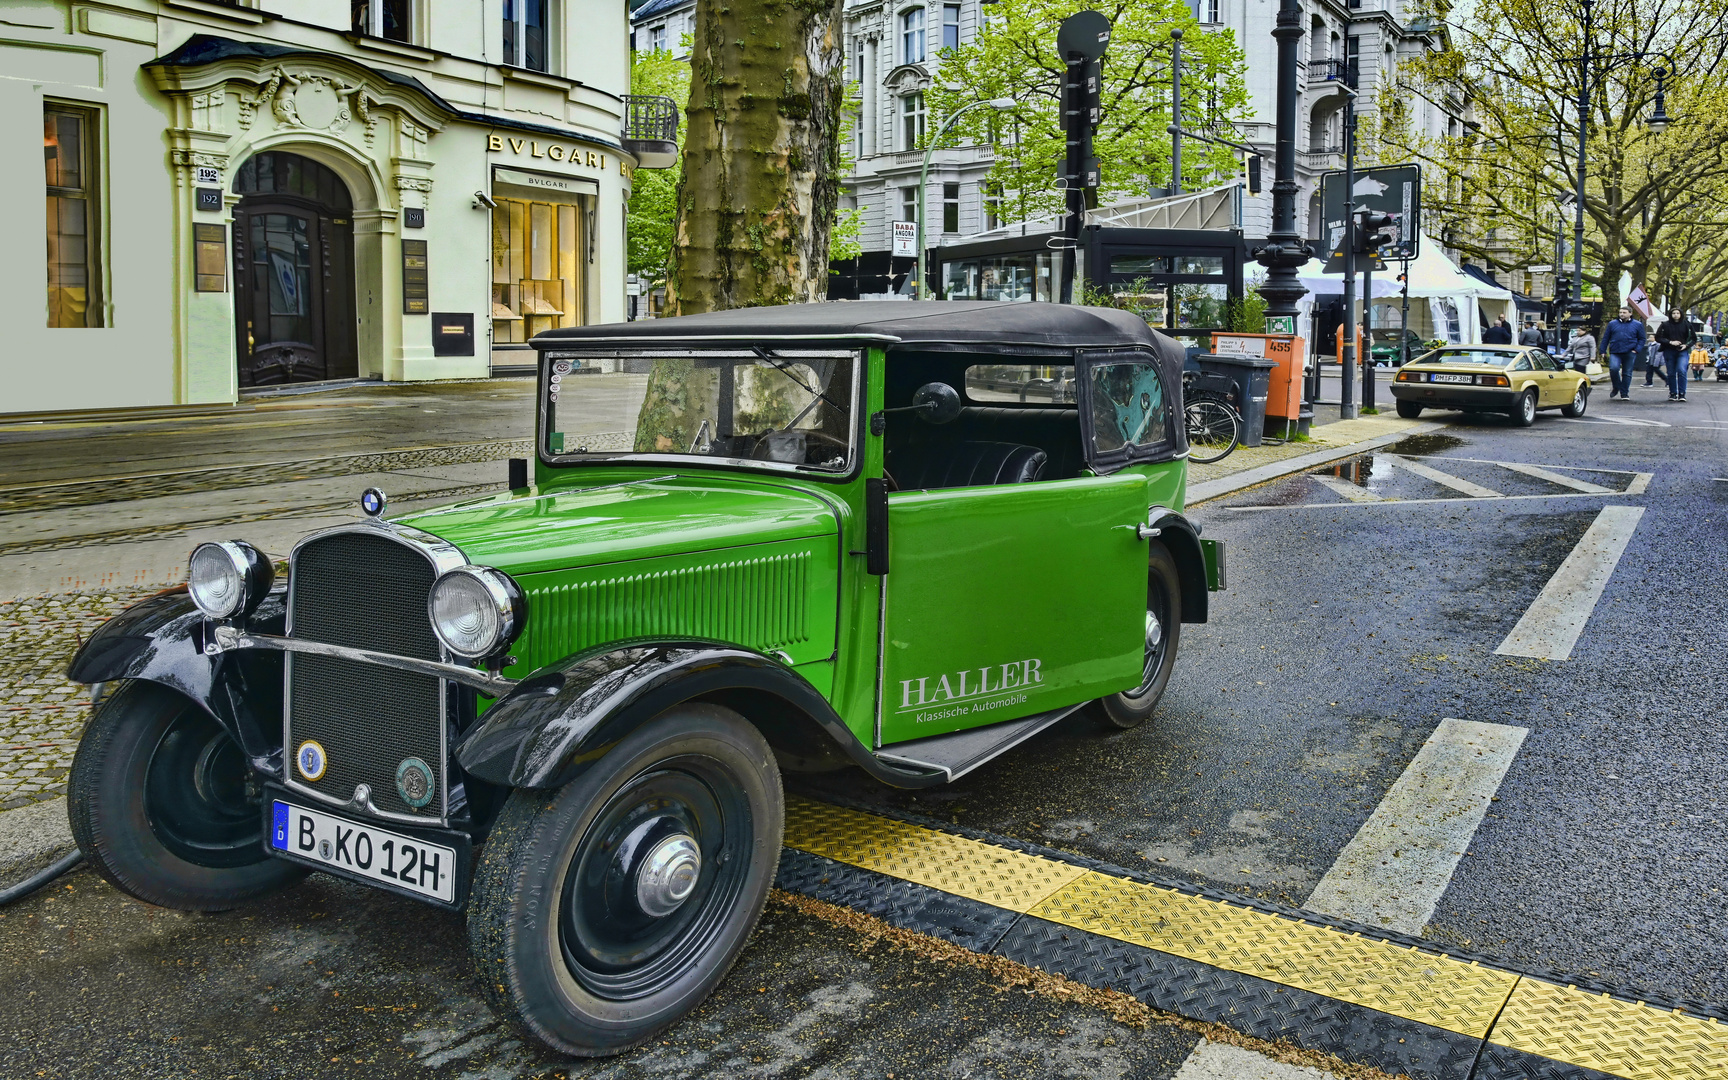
{"x": 759, "y": 451}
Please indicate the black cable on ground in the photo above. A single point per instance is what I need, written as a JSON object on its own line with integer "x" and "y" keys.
{"x": 40, "y": 878}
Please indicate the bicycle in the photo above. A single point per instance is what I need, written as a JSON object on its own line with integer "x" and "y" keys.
{"x": 1214, "y": 426}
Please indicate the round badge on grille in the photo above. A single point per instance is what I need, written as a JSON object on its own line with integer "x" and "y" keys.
{"x": 311, "y": 759}
{"x": 414, "y": 782}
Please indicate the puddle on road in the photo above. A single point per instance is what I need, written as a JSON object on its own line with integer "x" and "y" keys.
{"x": 1430, "y": 443}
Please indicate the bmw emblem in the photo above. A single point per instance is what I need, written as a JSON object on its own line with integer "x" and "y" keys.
{"x": 373, "y": 501}
{"x": 311, "y": 760}
{"x": 414, "y": 782}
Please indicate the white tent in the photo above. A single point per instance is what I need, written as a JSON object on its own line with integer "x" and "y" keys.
{"x": 1450, "y": 296}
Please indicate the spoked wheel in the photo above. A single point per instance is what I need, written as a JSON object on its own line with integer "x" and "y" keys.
{"x": 158, "y": 804}
{"x": 606, "y": 910}
{"x": 1580, "y": 402}
{"x": 1131, "y": 708}
{"x": 1214, "y": 429}
{"x": 1524, "y": 412}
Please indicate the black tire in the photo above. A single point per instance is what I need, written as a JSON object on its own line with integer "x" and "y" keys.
{"x": 1409, "y": 410}
{"x": 1131, "y": 708}
{"x": 559, "y": 921}
{"x": 1524, "y": 413}
{"x": 1580, "y": 403}
{"x": 158, "y": 804}
{"x": 1214, "y": 428}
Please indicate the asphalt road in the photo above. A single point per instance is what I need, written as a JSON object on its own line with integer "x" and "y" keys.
{"x": 1350, "y": 630}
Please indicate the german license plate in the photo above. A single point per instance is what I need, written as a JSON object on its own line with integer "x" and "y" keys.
{"x": 1437, "y": 377}
{"x": 404, "y": 862}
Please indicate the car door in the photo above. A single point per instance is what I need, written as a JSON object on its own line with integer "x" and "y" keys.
{"x": 1009, "y": 600}
{"x": 1525, "y": 376}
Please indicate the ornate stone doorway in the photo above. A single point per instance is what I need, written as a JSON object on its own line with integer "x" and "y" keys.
{"x": 293, "y": 272}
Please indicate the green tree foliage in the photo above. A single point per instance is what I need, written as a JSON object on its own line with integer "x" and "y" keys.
{"x": 654, "y": 192}
{"x": 1014, "y": 55}
{"x": 1656, "y": 205}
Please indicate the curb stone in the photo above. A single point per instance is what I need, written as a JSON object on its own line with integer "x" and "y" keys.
{"x": 31, "y": 837}
{"x": 1229, "y": 485}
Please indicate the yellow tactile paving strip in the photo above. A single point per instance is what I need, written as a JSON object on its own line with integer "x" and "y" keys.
{"x": 1612, "y": 1036}
{"x": 1419, "y": 986}
{"x": 1639, "y": 1042}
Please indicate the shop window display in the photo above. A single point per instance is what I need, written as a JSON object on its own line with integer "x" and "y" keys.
{"x": 538, "y": 258}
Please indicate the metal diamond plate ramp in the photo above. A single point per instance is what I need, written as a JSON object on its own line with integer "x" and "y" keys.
{"x": 1434, "y": 990}
{"x": 953, "y": 864}
{"x": 1621, "y": 1038}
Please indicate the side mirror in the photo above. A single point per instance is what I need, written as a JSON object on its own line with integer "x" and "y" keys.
{"x": 937, "y": 403}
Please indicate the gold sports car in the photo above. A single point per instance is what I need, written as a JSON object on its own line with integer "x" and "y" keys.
{"x": 1514, "y": 379}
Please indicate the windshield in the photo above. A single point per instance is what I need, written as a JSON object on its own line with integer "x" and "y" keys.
{"x": 785, "y": 409}
{"x": 1491, "y": 357}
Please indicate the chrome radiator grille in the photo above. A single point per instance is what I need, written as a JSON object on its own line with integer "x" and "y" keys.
{"x": 364, "y": 590}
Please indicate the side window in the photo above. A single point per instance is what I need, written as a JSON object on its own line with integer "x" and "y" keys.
{"x": 1544, "y": 362}
{"x": 1523, "y": 363}
{"x": 69, "y": 162}
{"x": 1030, "y": 384}
{"x": 1127, "y": 405}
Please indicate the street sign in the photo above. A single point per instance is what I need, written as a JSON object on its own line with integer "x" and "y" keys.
{"x": 1389, "y": 189}
{"x": 905, "y": 240}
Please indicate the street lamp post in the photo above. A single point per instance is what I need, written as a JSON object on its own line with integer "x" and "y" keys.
{"x": 1284, "y": 250}
{"x": 1001, "y": 104}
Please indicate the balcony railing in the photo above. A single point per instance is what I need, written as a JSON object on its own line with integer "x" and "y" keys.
{"x": 651, "y": 130}
{"x": 1324, "y": 71}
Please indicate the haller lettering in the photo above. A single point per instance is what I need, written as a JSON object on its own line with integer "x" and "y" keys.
{"x": 971, "y": 683}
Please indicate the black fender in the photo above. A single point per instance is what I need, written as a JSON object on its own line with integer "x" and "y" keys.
{"x": 161, "y": 640}
{"x": 1181, "y": 538}
{"x": 565, "y": 716}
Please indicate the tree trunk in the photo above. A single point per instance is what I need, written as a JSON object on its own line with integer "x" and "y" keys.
{"x": 761, "y": 156}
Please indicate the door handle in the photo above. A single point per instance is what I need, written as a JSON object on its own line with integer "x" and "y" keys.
{"x": 1146, "y": 532}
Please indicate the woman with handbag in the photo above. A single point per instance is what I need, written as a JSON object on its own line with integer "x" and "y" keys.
{"x": 1673, "y": 338}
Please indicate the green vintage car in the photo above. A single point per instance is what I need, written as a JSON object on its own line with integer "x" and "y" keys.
{"x": 753, "y": 542}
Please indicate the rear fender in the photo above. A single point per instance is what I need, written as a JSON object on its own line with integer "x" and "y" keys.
{"x": 161, "y": 640}
{"x": 1181, "y": 538}
{"x": 565, "y": 716}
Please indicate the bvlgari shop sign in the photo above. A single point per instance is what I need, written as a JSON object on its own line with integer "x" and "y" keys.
{"x": 550, "y": 151}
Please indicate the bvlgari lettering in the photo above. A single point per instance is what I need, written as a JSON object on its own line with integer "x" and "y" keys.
{"x": 534, "y": 148}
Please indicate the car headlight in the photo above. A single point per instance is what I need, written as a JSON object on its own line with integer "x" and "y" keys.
{"x": 476, "y": 611}
{"x": 228, "y": 578}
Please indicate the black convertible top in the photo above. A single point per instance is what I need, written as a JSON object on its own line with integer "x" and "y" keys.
{"x": 927, "y": 326}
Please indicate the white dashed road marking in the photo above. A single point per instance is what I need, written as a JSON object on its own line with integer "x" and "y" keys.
{"x": 1221, "y": 1061}
{"x": 1633, "y": 421}
{"x": 1354, "y": 492}
{"x": 1551, "y": 626}
{"x": 1428, "y": 472}
{"x": 1393, "y": 872}
{"x": 1557, "y": 478}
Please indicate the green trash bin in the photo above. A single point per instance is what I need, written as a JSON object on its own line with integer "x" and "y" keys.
{"x": 1251, "y": 376}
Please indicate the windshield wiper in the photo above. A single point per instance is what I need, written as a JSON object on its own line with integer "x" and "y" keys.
{"x": 781, "y": 367}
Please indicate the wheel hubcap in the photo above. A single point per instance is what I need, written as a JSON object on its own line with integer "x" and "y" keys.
{"x": 668, "y": 875}
{"x": 1154, "y": 651}
{"x": 195, "y": 795}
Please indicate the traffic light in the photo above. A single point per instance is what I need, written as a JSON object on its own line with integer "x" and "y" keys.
{"x": 1375, "y": 230}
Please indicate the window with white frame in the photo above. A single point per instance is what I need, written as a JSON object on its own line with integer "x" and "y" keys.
{"x": 528, "y": 34}
{"x": 912, "y": 36}
{"x": 950, "y": 208}
{"x": 1209, "y": 11}
{"x": 387, "y": 19}
{"x": 908, "y": 204}
{"x": 950, "y": 26}
{"x": 911, "y": 120}
{"x": 657, "y": 39}
{"x": 69, "y": 148}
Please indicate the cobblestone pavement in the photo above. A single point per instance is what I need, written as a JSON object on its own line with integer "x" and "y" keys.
{"x": 24, "y": 497}
{"x": 42, "y": 714}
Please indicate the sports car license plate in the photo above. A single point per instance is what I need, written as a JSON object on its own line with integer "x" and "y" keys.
{"x": 404, "y": 862}
{"x": 1451, "y": 378}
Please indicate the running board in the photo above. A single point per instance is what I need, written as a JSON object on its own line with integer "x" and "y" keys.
{"x": 959, "y": 753}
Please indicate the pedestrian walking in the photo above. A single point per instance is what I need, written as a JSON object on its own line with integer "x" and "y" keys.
{"x": 1498, "y": 334}
{"x": 1700, "y": 360}
{"x": 1674, "y": 338}
{"x": 1581, "y": 350}
{"x": 1531, "y": 335}
{"x": 1653, "y": 364}
{"x": 1622, "y": 340}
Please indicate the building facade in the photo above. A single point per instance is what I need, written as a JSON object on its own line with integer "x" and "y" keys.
{"x": 264, "y": 191}
{"x": 894, "y": 48}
